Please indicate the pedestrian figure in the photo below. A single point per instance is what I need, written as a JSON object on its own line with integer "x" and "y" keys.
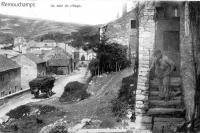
{"x": 163, "y": 67}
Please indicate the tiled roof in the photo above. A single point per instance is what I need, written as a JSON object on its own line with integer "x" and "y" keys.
{"x": 58, "y": 62}
{"x": 34, "y": 58}
{"x": 7, "y": 64}
{"x": 56, "y": 53}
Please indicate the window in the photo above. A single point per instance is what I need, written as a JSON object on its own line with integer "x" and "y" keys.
{"x": 133, "y": 24}
{"x": 2, "y": 78}
{"x": 160, "y": 12}
{"x": 9, "y": 92}
{"x": 2, "y": 93}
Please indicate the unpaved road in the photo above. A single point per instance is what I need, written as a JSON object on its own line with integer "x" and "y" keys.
{"x": 58, "y": 89}
{"x": 98, "y": 105}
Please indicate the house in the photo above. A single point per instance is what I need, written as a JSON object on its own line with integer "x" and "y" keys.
{"x": 90, "y": 55}
{"x": 49, "y": 43}
{"x": 82, "y": 54}
{"x": 67, "y": 48}
{"x": 63, "y": 59}
{"x": 20, "y": 44}
{"x": 32, "y": 66}
{"x": 10, "y": 79}
{"x": 8, "y": 53}
{"x": 59, "y": 66}
{"x": 173, "y": 27}
{"x": 37, "y": 48}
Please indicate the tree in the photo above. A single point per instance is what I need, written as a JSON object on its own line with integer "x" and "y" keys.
{"x": 110, "y": 57}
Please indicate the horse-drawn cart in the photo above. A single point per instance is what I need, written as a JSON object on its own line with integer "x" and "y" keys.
{"x": 43, "y": 85}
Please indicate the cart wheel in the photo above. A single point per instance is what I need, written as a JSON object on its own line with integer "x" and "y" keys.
{"x": 51, "y": 92}
{"x": 48, "y": 94}
{"x": 36, "y": 94}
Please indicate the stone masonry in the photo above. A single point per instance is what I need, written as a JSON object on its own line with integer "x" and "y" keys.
{"x": 146, "y": 43}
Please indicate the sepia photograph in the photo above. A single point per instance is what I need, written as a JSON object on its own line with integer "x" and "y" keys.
{"x": 99, "y": 66}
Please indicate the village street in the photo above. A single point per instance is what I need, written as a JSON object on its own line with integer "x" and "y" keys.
{"x": 58, "y": 89}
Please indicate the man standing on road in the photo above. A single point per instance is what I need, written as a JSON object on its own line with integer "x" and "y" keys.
{"x": 163, "y": 67}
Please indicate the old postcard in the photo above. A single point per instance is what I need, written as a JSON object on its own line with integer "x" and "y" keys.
{"x": 99, "y": 66}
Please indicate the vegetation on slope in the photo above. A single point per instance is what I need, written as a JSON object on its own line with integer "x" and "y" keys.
{"x": 74, "y": 91}
{"x": 110, "y": 57}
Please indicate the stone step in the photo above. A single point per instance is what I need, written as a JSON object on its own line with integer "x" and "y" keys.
{"x": 173, "y": 93}
{"x": 164, "y": 104}
{"x": 173, "y": 119}
{"x": 156, "y": 84}
{"x": 165, "y": 111}
{"x": 141, "y": 97}
{"x": 176, "y": 81}
{"x": 138, "y": 127}
{"x": 172, "y": 88}
{"x": 167, "y": 127}
{"x": 143, "y": 119}
{"x": 159, "y": 98}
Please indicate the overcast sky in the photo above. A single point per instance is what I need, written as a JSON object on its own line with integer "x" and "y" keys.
{"x": 90, "y": 12}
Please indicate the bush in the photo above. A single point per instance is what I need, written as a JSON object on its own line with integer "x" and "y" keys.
{"x": 110, "y": 57}
{"x": 126, "y": 97}
{"x": 93, "y": 66}
{"x": 19, "y": 112}
{"x": 74, "y": 91}
{"x": 126, "y": 91}
{"x": 46, "y": 108}
{"x": 119, "y": 108}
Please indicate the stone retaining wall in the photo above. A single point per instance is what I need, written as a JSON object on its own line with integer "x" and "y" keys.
{"x": 146, "y": 44}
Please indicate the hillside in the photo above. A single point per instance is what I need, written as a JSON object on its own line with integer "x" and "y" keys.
{"x": 39, "y": 30}
{"x": 31, "y": 28}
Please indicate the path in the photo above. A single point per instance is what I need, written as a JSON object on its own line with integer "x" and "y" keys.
{"x": 28, "y": 97}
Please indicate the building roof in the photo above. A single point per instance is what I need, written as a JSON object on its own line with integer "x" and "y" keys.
{"x": 49, "y": 41}
{"x": 7, "y": 64}
{"x": 56, "y": 53}
{"x": 34, "y": 58}
{"x": 8, "y": 53}
{"x": 58, "y": 62}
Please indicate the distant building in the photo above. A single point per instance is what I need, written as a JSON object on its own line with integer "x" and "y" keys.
{"x": 59, "y": 66}
{"x": 67, "y": 48}
{"x": 19, "y": 44}
{"x": 10, "y": 79}
{"x": 90, "y": 55}
{"x": 49, "y": 43}
{"x": 58, "y": 61}
{"x": 32, "y": 66}
{"x": 8, "y": 53}
{"x": 37, "y": 48}
{"x": 82, "y": 55}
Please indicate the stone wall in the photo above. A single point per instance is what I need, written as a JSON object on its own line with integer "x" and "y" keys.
{"x": 28, "y": 69}
{"x": 146, "y": 43}
{"x": 187, "y": 67}
{"x": 120, "y": 31}
{"x": 11, "y": 81}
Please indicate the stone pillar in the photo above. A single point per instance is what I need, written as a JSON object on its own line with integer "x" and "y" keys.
{"x": 146, "y": 44}
{"x": 187, "y": 66}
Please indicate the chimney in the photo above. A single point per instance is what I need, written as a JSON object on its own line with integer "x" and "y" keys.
{"x": 124, "y": 10}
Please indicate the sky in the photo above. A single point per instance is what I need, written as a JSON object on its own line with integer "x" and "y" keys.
{"x": 84, "y": 12}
